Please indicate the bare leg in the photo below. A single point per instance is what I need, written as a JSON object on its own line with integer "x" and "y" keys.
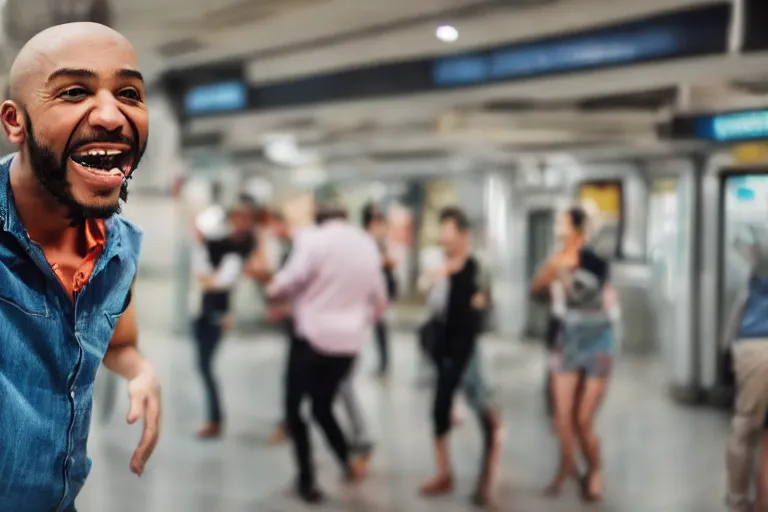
{"x": 594, "y": 389}
{"x": 442, "y": 483}
{"x": 564, "y": 387}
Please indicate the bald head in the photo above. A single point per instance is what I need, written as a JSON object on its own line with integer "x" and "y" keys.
{"x": 58, "y": 44}
{"x": 77, "y": 112}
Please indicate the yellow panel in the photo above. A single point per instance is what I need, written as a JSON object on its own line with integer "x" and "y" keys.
{"x": 664, "y": 186}
{"x": 750, "y": 153}
{"x": 605, "y": 198}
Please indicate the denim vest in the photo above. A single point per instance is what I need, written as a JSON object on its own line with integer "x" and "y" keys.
{"x": 52, "y": 347}
{"x": 754, "y": 319}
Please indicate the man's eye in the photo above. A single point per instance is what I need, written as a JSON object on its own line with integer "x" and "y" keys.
{"x": 74, "y": 93}
{"x": 131, "y": 94}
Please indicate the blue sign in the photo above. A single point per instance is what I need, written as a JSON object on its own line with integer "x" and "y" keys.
{"x": 745, "y": 194}
{"x": 678, "y": 34}
{"x": 572, "y": 54}
{"x": 733, "y": 127}
{"x": 218, "y": 97}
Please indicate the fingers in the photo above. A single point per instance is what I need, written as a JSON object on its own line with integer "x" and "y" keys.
{"x": 136, "y": 409}
{"x": 149, "y": 437}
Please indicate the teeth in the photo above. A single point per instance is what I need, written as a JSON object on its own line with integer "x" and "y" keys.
{"x": 100, "y": 152}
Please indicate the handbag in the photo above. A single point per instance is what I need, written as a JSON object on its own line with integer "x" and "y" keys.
{"x": 430, "y": 336}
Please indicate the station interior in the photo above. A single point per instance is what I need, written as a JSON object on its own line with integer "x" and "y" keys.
{"x": 652, "y": 115}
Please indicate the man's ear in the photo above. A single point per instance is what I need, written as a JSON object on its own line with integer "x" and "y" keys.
{"x": 13, "y": 122}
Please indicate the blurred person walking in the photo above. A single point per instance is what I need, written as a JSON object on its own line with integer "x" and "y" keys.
{"x": 334, "y": 282}
{"x": 583, "y": 364}
{"x": 375, "y": 223}
{"x": 570, "y": 232}
{"x": 459, "y": 296}
{"x": 746, "y": 336}
{"x": 281, "y": 311}
{"x": 218, "y": 261}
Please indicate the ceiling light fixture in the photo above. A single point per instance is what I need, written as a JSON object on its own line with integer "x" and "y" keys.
{"x": 447, "y": 33}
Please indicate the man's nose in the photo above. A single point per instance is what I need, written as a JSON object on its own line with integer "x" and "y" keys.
{"x": 107, "y": 113}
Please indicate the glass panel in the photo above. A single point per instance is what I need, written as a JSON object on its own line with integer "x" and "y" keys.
{"x": 540, "y": 245}
{"x": 664, "y": 230}
{"x": 745, "y": 224}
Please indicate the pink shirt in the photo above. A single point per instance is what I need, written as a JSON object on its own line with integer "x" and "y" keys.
{"x": 335, "y": 281}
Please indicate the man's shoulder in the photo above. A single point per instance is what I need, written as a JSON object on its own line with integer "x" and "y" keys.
{"x": 127, "y": 232}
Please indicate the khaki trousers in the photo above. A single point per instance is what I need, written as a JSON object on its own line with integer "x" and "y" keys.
{"x": 750, "y": 360}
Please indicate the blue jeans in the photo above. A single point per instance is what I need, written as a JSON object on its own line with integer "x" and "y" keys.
{"x": 474, "y": 386}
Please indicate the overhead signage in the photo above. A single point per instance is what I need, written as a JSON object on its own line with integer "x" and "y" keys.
{"x": 737, "y": 126}
{"x": 668, "y": 36}
{"x": 725, "y": 127}
{"x": 216, "y": 97}
{"x": 701, "y": 30}
{"x": 569, "y": 55}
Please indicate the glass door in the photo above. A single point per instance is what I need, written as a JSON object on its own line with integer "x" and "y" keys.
{"x": 744, "y": 212}
{"x": 541, "y": 239}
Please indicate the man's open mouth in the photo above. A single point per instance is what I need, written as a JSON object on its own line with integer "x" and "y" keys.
{"x": 107, "y": 160}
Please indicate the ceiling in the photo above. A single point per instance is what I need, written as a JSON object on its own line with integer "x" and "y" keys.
{"x": 291, "y": 37}
{"x": 288, "y": 38}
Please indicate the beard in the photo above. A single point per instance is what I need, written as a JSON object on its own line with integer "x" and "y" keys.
{"x": 51, "y": 174}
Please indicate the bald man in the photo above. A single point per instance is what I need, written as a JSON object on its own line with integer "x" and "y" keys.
{"x": 77, "y": 113}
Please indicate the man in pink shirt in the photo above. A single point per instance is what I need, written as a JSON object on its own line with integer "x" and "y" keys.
{"x": 338, "y": 293}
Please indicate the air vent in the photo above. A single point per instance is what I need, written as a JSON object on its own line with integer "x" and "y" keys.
{"x": 646, "y": 100}
{"x": 553, "y": 146}
{"x": 180, "y": 47}
{"x": 301, "y": 123}
{"x": 510, "y": 105}
{"x": 407, "y": 155}
{"x": 756, "y": 87}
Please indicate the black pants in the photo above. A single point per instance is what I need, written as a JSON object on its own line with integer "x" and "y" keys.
{"x": 382, "y": 340}
{"x": 294, "y": 351}
{"x": 207, "y": 330}
{"x": 317, "y": 376}
{"x": 449, "y": 375}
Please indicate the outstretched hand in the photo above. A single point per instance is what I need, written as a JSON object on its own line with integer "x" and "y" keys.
{"x": 144, "y": 394}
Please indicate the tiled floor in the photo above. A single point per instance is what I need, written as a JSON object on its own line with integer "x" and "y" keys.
{"x": 658, "y": 457}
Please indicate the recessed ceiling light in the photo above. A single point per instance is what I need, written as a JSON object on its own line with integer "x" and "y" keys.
{"x": 447, "y": 33}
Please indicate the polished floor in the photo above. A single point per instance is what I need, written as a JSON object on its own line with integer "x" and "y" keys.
{"x": 658, "y": 457}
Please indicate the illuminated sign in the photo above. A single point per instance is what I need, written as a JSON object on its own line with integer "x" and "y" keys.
{"x": 735, "y": 126}
{"x": 576, "y": 53}
{"x": 218, "y": 97}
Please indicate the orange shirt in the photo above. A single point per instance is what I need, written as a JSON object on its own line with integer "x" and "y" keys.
{"x": 95, "y": 239}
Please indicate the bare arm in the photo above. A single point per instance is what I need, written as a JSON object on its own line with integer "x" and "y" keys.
{"x": 731, "y": 327}
{"x": 295, "y": 273}
{"x": 544, "y": 278}
{"x": 124, "y": 358}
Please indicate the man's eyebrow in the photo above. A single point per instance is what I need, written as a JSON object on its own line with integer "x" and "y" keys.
{"x": 130, "y": 73}
{"x": 71, "y": 73}
{"x": 90, "y": 74}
